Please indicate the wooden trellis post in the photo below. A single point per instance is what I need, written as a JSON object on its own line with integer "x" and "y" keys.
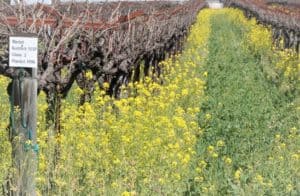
{"x": 23, "y": 116}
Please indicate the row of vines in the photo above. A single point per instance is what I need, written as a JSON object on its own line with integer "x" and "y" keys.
{"x": 100, "y": 49}
{"x": 283, "y": 19}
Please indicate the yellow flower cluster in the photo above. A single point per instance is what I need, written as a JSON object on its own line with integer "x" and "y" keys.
{"x": 5, "y": 146}
{"x": 286, "y": 61}
{"x": 147, "y": 138}
{"x": 259, "y": 36}
{"x": 289, "y": 64}
{"x": 142, "y": 143}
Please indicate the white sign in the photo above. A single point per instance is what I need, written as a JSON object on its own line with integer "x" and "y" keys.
{"x": 23, "y": 51}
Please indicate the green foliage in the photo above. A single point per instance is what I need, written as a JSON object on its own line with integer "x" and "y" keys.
{"x": 257, "y": 123}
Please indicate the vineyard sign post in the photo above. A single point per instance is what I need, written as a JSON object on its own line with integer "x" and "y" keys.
{"x": 23, "y": 56}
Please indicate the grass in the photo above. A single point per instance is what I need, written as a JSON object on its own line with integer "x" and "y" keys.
{"x": 246, "y": 111}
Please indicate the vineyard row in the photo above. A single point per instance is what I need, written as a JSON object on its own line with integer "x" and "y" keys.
{"x": 111, "y": 40}
{"x": 284, "y": 20}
